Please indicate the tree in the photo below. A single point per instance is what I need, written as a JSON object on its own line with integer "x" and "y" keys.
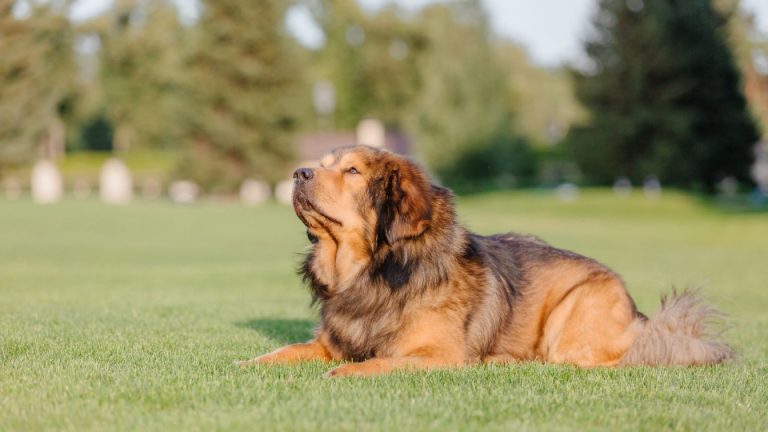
{"x": 751, "y": 50}
{"x": 37, "y": 73}
{"x": 436, "y": 73}
{"x": 243, "y": 85}
{"x": 371, "y": 59}
{"x": 664, "y": 96}
{"x": 463, "y": 103}
{"x": 141, "y": 48}
{"x": 541, "y": 99}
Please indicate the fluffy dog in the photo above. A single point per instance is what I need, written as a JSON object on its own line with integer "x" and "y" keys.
{"x": 401, "y": 284}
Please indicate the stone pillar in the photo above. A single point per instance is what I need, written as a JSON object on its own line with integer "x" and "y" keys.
{"x": 254, "y": 192}
{"x": 371, "y": 132}
{"x": 115, "y": 182}
{"x": 47, "y": 187}
{"x": 183, "y": 192}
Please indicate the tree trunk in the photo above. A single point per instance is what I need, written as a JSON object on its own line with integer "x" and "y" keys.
{"x": 53, "y": 145}
{"x": 121, "y": 141}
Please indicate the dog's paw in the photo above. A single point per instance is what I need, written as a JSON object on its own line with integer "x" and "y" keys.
{"x": 254, "y": 361}
{"x": 333, "y": 373}
{"x": 260, "y": 360}
{"x": 352, "y": 369}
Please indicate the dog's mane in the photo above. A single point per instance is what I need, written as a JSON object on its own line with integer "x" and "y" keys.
{"x": 396, "y": 274}
{"x": 407, "y": 266}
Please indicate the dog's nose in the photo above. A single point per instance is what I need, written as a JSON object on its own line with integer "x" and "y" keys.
{"x": 302, "y": 174}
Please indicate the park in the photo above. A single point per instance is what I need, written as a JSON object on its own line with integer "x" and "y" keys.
{"x": 155, "y": 155}
{"x": 130, "y": 318}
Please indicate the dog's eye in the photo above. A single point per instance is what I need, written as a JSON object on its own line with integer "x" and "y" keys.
{"x": 353, "y": 170}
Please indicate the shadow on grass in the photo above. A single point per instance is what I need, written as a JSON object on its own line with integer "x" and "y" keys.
{"x": 284, "y": 331}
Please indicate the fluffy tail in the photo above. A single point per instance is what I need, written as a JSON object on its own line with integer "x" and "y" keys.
{"x": 680, "y": 334}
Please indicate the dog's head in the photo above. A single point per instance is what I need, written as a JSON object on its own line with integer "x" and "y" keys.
{"x": 374, "y": 194}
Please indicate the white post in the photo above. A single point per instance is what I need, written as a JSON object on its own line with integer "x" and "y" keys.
{"x": 47, "y": 185}
{"x": 115, "y": 182}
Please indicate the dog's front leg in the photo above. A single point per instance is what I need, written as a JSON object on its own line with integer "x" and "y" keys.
{"x": 313, "y": 350}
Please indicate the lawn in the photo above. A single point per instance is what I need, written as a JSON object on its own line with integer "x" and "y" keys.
{"x": 125, "y": 318}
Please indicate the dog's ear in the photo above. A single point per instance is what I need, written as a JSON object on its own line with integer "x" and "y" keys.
{"x": 408, "y": 207}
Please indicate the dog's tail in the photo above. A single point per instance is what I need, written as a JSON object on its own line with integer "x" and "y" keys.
{"x": 680, "y": 334}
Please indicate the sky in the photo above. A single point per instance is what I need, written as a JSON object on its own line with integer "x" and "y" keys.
{"x": 551, "y": 30}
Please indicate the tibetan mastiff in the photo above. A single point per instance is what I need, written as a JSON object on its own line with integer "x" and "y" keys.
{"x": 402, "y": 285}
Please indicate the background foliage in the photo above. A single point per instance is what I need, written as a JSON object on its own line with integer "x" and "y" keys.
{"x": 670, "y": 89}
{"x": 664, "y": 97}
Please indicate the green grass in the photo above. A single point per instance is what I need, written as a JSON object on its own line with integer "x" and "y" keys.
{"x": 130, "y": 317}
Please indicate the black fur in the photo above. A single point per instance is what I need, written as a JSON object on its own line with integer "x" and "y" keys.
{"x": 354, "y": 352}
{"x": 471, "y": 249}
{"x": 385, "y": 205}
{"x": 393, "y": 272}
{"x": 318, "y": 289}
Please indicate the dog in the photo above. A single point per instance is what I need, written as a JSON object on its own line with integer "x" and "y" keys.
{"x": 402, "y": 285}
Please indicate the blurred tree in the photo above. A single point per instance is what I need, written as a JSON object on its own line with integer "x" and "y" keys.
{"x": 371, "y": 59}
{"x": 97, "y": 134}
{"x": 463, "y": 101}
{"x": 243, "y": 86}
{"x": 664, "y": 95}
{"x": 501, "y": 161}
{"x": 541, "y": 99}
{"x": 37, "y": 72}
{"x": 141, "y": 48}
{"x": 751, "y": 50}
{"x": 436, "y": 73}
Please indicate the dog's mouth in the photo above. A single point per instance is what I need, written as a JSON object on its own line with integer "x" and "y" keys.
{"x": 302, "y": 204}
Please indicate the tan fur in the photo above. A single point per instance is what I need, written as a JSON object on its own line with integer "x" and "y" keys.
{"x": 313, "y": 350}
{"x": 679, "y": 334}
{"x": 401, "y": 285}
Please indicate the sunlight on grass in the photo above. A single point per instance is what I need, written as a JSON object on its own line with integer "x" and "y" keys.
{"x": 130, "y": 318}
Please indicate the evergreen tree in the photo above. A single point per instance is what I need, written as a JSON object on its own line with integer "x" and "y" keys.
{"x": 243, "y": 85}
{"x": 37, "y": 73}
{"x": 664, "y": 96}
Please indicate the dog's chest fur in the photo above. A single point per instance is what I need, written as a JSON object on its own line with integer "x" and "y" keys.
{"x": 363, "y": 316}
{"x": 360, "y": 328}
